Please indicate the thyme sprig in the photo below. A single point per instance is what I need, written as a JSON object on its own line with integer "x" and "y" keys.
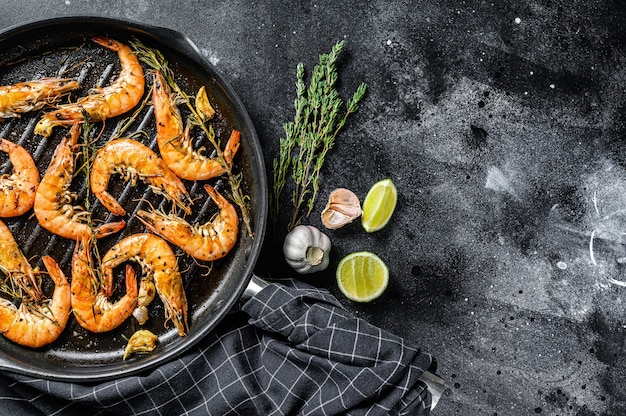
{"x": 88, "y": 150}
{"x": 311, "y": 135}
{"x": 154, "y": 59}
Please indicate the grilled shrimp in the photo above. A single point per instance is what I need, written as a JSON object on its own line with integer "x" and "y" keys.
{"x": 210, "y": 241}
{"x": 159, "y": 265}
{"x": 35, "y": 324}
{"x": 17, "y": 191}
{"x": 133, "y": 160}
{"x": 15, "y": 265}
{"x": 90, "y": 305}
{"x": 32, "y": 95}
{"x": 53, "y": 200}
{"x": 175, "y": 144}
{"x": 102, "y": 103}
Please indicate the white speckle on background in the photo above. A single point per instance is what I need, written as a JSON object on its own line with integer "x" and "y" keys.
{"x": 561, "y": 265}
{"x": 497, "y": 181}
{"x": 214, "y": 59}
{"x": 67, "y": 2}
{"x": 552, "y": 86}
{"x": 518, "y": 20}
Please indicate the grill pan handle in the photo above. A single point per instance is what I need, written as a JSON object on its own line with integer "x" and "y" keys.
{"x": 172, "y": 38}
{"x": 255, "y": 285}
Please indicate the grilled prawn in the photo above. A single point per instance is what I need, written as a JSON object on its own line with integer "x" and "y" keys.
{"x": 91, "y": 307}
{"x": 175, "y": 144}
{"x": 32, "y": 95}
{"x": 53, "y": 200}
{"x": 159, "y": 266}
{"x": 106, "y": 102}
{"x": 38, "y": 323}
{"x": 17, "y": 191}
{"x": 133, "y": 160}
{"x": 210, "y": 241}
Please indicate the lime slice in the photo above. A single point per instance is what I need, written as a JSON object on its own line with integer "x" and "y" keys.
{"x": 362, "y": 276}
{"x": 378, "y": 205}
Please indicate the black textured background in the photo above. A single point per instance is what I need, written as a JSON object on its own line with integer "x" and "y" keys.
{"x": 502, "y": 125}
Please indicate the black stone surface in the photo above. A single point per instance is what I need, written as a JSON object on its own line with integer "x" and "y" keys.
{"x": 503, "y": 126}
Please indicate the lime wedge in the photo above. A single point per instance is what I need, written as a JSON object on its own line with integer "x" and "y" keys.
{"x": 378, "y": 205}
{"x": 362, "y": 276}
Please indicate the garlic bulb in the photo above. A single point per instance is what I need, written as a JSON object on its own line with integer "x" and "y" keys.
{"x": 342, "y": 208}
{"x": 307, "y": 249}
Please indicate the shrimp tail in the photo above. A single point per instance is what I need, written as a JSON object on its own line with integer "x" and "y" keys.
{"x": 232, "y": 146}
{"x": 131, "y": 284}
{"x": 109, "y": 228}
{"x": 55, "y": 272}
{"x": 219, "y": 200}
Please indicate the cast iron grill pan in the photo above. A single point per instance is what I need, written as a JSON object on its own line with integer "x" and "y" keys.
{"x": 63, "y": 48}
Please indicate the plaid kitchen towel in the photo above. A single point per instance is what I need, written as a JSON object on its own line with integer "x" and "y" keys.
{"x": 291, "y": 350}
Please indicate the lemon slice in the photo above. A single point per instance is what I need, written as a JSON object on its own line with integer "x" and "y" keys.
{"x": 378, "y": 205}
{"x": 362, "y": 276}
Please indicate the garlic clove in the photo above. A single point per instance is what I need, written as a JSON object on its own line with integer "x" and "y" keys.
{"x": 334, "y": 220}
{"x": 142, "y": 341}
{"x": 141, "y": 314}
{"x": 203, "y": 106}
{"x": 342, "y": 208}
